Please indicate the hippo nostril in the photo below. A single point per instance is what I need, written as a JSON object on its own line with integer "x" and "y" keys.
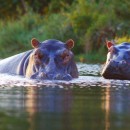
{"x": 50, "y": 76}
{"x": 113, "y": 64}
{"x": 123, "y": 66}
{"x": 58, "y": 76}
{"x": 42, "y": 75}
{"x": 123, "y": 62}
{"x": 67, "y": 77}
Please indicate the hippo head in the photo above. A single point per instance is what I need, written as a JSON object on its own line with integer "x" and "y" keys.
{"x": 118, "y": 61}
{"x": 52, "y": 59}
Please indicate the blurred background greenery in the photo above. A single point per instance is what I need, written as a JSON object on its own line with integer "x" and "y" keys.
{"x": 88, "y": 22}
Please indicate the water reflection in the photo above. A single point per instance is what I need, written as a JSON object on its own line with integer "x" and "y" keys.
{"x": 87, "y": 103}
{"x": 74, "y": 108}
{"x": 52, "y": 103}
{"x": 116, "y": 105}
{"x": 106, "y": 107}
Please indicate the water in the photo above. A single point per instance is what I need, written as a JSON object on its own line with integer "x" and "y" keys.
{"x": 87, "y": 103}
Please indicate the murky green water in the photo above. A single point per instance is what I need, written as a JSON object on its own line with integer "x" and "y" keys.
{"x": 87, "y": 103}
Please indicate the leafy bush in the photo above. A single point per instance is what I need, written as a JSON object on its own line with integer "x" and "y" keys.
{"x": 88, "y": 22}
{"x": 15, "y": 36}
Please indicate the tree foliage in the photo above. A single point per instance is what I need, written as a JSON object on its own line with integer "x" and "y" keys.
{"x": 88, "y": 22}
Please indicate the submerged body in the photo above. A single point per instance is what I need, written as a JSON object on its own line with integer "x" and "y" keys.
{"x": 51, "y": 59}
{"x": 118, "y": 61}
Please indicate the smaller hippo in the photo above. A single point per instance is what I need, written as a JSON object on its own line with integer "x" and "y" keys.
{"x": 50, "y": 59}
{"x": 118, "y": 61}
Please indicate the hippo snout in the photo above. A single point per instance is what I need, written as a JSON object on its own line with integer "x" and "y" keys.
{"x": 116, "y": 70}
{"x": 110, "y": 70}
{"x": 43, "y": 75}
{"x": 57, "y": 76}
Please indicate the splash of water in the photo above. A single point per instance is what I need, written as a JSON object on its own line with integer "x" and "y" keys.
{"x": 89, "y": 76}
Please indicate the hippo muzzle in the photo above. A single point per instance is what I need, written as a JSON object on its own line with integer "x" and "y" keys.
{"x": 50, "y": 76}
{"x": 116, "y": 70}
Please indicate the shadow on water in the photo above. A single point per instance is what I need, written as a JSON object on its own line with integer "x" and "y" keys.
{"x": 87, "y": 103}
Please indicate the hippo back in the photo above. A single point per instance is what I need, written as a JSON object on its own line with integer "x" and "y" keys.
{"x": 15, "y": 64}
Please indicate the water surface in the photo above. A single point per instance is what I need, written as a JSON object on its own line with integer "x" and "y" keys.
{"x": 87, "y": 103}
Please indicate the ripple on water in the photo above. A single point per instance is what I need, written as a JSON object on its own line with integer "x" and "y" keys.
{"x": 89, "y": 69}
{"x": 84, "y": 80}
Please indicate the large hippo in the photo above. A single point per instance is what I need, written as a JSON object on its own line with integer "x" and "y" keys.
{"x": 118, "y": 61}
{"x": 50, "y": 59}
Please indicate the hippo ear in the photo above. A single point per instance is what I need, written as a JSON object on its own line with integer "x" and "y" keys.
{"x": 109, "y": 44}
{"x": 70, "y": 44}
{"x": 35, "y": 43}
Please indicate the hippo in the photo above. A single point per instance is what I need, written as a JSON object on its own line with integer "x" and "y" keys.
{"x": 117, "y": 65}
{"x": 50, "y": 59}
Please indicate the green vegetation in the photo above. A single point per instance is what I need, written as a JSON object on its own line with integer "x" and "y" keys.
{"x": 88, "y": 22}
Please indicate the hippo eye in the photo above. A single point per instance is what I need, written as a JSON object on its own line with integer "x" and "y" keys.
{"x": 64, "y": 55}
{"x": 38, "y": 54}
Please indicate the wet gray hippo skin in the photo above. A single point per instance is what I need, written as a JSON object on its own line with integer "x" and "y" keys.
{"x": 118, "y": 61}
{"x": 51, "y": 59}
